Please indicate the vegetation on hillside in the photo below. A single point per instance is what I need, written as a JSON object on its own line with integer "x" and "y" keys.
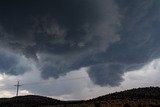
{"x": 139, "y": 93}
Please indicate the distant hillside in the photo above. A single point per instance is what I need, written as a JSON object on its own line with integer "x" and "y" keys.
{"x": 139, "y": 93}
{"x": 149, "y": 96}
{"x": 28, "y": 101}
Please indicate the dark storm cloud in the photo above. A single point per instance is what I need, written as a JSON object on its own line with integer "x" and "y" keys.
{"x": 10, "y": 64}
{"x": 139, "y": 40}
{"x": 59, "y": 27}
{"x": 110, "y": 74}
{"x": 109, "y": 37}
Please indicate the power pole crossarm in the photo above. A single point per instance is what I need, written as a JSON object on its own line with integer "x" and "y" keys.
{"x": 18, "y": 85}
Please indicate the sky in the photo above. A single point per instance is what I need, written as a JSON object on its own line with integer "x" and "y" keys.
{"x": 78, "y": 49}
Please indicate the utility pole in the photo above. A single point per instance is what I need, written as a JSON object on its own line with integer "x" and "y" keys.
{"x": 18, "y": 85}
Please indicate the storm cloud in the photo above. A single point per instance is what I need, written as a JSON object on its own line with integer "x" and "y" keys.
{"x": 109, "y": 37}
{"x": 11, "y": 64}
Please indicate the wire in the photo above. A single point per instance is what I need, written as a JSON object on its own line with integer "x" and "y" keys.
{"x": 66, "y": 79}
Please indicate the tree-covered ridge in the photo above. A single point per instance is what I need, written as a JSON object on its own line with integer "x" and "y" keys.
{"x": 139, "y": 93}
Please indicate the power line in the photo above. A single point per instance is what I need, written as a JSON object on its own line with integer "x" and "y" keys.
{"x": 18, "y": 85}
{"x": 66, "y": 79}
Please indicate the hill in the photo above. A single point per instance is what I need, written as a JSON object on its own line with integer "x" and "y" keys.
{"x": 140, "y": 97}
{"x": 28, "y": 101}
{"x": 139, "y": 93}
